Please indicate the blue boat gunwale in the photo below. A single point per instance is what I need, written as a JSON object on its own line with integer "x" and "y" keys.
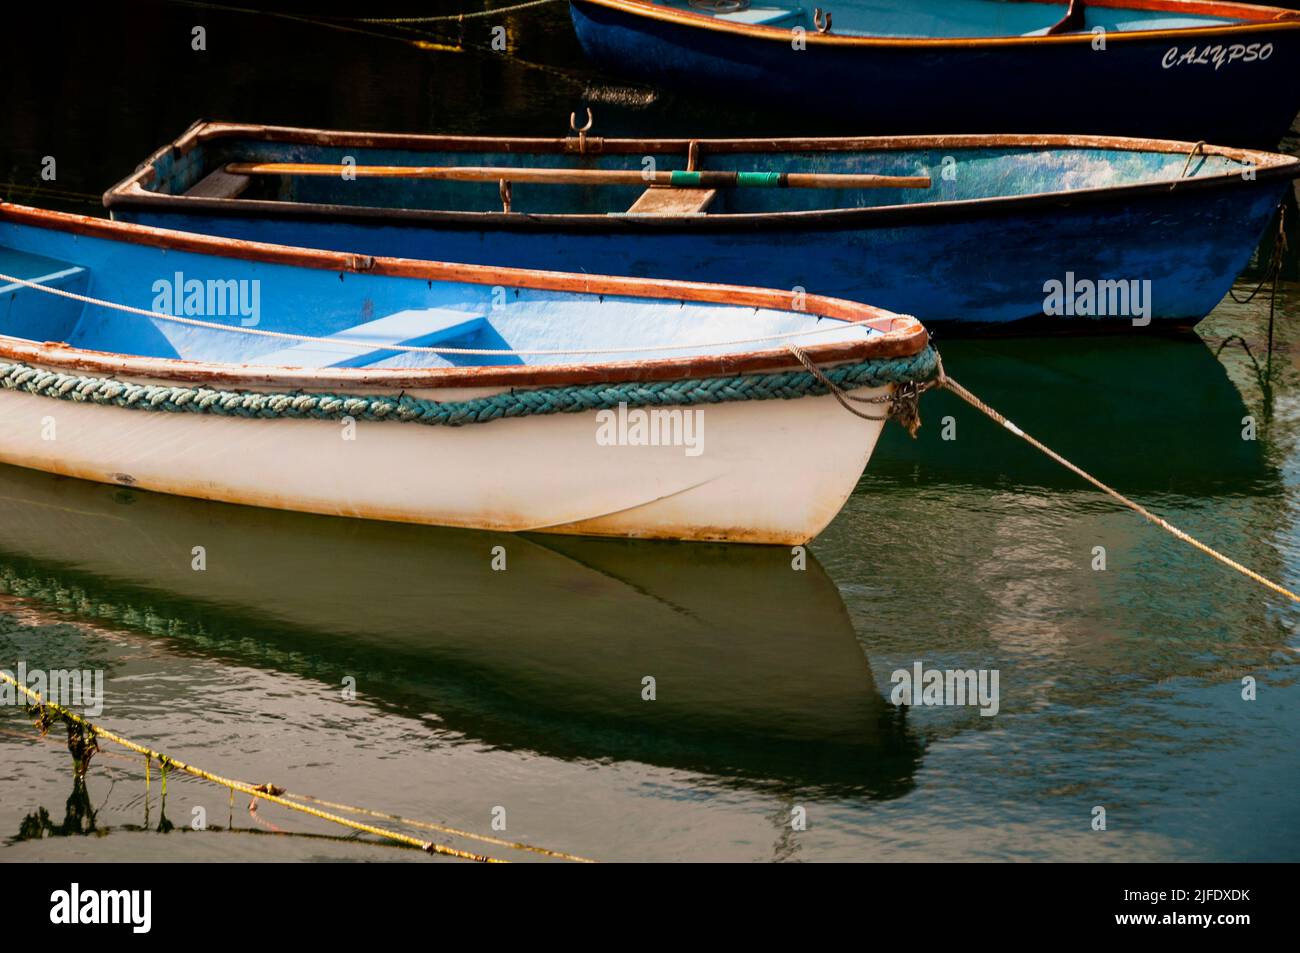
{"x": 898, "y": 335}
{"x": 1257, "y": 19}
{"x": 130, "y": 192}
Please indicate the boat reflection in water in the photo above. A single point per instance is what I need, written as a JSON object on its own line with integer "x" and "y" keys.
{"x": 1143, "y": 412}
{"x": 994, "y": 552}
{"x": 759, "y": 676}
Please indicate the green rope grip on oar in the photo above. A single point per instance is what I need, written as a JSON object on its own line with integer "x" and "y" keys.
{"x": 571, "y": 399}
{"x": 753, "y": 180}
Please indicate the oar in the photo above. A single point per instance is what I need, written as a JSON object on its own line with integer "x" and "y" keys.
{"x": 675, "y": 179}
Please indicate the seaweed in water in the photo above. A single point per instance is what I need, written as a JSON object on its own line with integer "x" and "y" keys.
{"x": 83, "y": 743}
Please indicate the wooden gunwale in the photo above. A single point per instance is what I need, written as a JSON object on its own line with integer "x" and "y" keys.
{"x": 902, "y": 335}
{"x": 1262, "y": 19}
{"x": 131, "y": 190}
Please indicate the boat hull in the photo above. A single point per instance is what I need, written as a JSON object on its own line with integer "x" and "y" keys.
{"x": 685, "y": 433}
{"x": 974, "y": 267}
{"x": 1137, "y": 85}
{"x": 772, "y": 472}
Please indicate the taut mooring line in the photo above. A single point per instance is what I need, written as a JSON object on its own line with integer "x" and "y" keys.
{"x": 947, "y": 382}
{"x": 902, "y": 404}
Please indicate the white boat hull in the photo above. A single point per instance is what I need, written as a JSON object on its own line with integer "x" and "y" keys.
{"x": 774, "y": 471}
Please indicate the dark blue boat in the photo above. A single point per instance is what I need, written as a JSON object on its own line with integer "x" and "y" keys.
{"x": 1186, "y": 69}
{"x": 1037, "y": 231}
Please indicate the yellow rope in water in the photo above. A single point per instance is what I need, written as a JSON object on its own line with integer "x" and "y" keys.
{"x": 947, "y": 382}
{"x": 429, "y": 825}
{"x": 278, "y": 796}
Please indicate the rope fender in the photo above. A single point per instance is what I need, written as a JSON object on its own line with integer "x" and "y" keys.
{"x": 568, "y": 399}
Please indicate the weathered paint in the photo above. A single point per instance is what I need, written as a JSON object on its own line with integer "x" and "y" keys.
{"x": 1005, "y": 215}
{"x": 769, "y": 472}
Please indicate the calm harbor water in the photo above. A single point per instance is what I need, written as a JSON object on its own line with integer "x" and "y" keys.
{"x": 481, "y": 690}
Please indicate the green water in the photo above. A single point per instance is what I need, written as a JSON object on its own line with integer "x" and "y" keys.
{"x": 522, "y": 690}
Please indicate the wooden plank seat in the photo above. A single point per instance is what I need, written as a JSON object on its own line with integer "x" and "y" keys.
{"x": 427, "y": 327}
{"x": 672, "y": 201}
{"x": 219, "y": 184}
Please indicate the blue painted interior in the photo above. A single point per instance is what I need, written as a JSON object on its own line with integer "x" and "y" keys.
{"x": 20, "y": 313}
{"x": 973, "y": 174}
{"x": 949, "y": 18}
{"x": 987, "y": 267}
{"x": 374, "y": 309}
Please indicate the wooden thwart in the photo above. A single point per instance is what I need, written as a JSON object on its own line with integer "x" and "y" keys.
{"x": 661, "y": 201}
{"x": 673, "y": 179}
{"x": 219, "y": 184}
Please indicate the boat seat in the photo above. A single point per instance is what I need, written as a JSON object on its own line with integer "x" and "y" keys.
{"x": 37, "y": 268}
{"x": 413, "y": 328}
{"x": 670, "y": 201}
{"x": 33, "y": 315}
{"x": 219, "y": 184}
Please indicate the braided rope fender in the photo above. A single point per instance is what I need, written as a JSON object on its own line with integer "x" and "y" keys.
{"x": 569, "y": 399}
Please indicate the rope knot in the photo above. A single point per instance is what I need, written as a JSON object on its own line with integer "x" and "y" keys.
{"x": 903, "y": 403}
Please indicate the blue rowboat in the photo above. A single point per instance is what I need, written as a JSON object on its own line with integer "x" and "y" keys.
{"x": 1013, "y": 232}
{"x": 424, "y": 392}
{"x": 1187, "y": 69}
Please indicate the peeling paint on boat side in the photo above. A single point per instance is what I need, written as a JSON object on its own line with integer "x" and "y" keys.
{"x": 1190, "y": 249}
{"x": 975, "y": 255}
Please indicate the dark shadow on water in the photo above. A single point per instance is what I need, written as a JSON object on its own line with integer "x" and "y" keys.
{"x": 1141, "y": 412}
{"x": 78, "y": 817}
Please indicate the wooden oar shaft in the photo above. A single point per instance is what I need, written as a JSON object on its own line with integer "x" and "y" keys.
{"x": 673, "y": 179}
